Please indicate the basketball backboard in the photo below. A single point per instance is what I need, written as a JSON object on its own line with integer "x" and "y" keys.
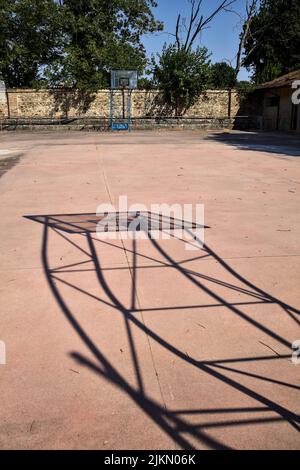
{"x": 124, "y": 79}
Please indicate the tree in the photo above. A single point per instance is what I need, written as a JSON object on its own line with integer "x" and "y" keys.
{"x": 72, "y": 43}
{"x": 222, "y": 76}
{"x": 182, "y": 75}
{"x": 187, "y": 31}
{"x": 272, "y": 47}
{"x": 183, "y": 72}
{"x": 101, "y": 35}
{"x": 29, "y": 40}
{"x": 145, "y": 83}
{"x": 251, "y": 11}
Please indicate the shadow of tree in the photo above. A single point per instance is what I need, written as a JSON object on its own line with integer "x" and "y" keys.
{"x": 274, "y": 143}
{"x": 155, "y": 106}
{"x": 66, "y": 100}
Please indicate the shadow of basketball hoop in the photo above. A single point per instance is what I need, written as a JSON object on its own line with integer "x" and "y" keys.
{"x": 176, "y": 423}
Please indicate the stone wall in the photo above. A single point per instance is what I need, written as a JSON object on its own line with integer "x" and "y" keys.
{"x": 57, "y": 104}
{"x": 3, "y": 103}
{"x": 215, "y": 109}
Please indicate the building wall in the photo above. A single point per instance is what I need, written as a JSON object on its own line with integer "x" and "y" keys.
{"x": 56, "y": 104}
{"x": 279, "y": 118}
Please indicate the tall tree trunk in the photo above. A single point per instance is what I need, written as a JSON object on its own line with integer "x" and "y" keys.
{"x": 251, "y": 10}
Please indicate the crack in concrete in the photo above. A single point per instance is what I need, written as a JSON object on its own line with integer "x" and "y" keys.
{"x": 102, "y": 170}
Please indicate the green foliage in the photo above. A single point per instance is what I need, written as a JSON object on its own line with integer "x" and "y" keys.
{"x": 245, "y": 89}
{"x": 72, "y": 43}
{"x": 102, "y": 35}
{"x": 222, "y": 76}
{"x": 146, "y": 83}
{"x": 182, "y": 75}
{"x": 273, "y": 46}
{"x": 29, "y": 33}
{"x": 245, "y": 86}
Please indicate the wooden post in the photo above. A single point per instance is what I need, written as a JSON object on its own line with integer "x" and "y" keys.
{"x": 229, "y": 102}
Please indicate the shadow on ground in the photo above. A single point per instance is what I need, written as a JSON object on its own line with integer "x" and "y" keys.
{"x": 174, "y": 423}
{"x": 7, "y": 163}
{"x": 274, "y": 143}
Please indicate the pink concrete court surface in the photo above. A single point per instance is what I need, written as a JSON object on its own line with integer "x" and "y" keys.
{"x": 142, "y": 344}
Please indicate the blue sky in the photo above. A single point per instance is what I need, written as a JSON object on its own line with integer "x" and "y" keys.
{"x": 221, "y": 38}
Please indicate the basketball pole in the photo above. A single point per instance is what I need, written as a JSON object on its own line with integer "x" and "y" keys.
{"x": 122, "y": 80}
{"x": 123, "y": 102}
{"x": 111, "y": 107}
{"x": 129, "y": 109}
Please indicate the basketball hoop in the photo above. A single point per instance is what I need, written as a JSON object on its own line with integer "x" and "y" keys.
{"x": 122, "y": 80}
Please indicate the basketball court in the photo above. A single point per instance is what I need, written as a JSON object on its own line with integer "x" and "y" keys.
{"x": 143, "y": 344}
